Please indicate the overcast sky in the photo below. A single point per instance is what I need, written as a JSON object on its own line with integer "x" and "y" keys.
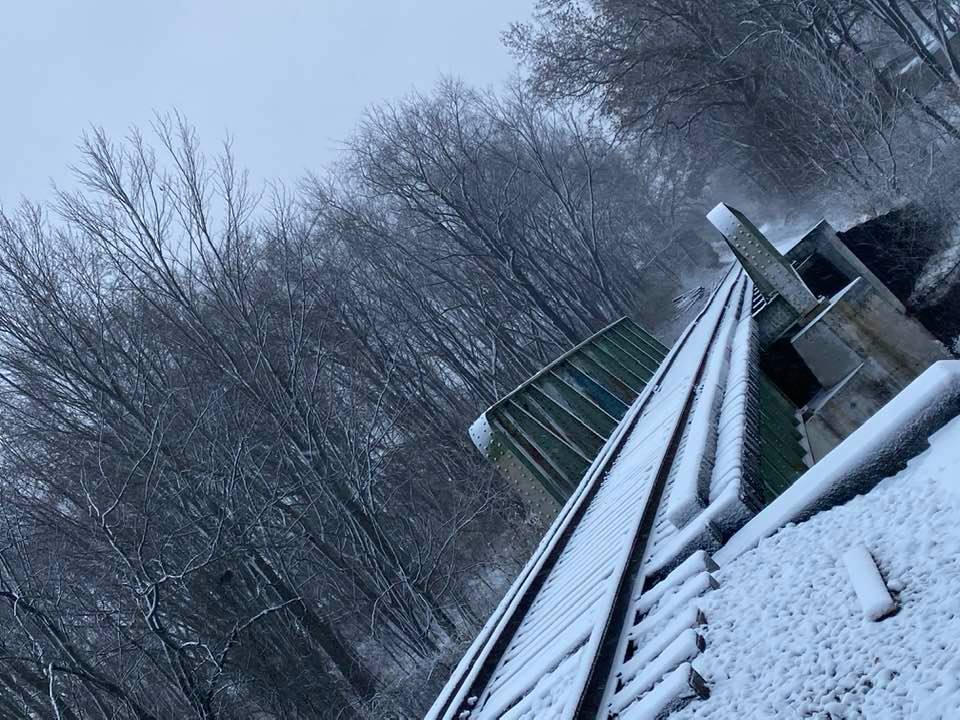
{"x": 288, "y": 80}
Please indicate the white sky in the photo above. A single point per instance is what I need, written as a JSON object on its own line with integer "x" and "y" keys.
{"x": 288, "y": 80}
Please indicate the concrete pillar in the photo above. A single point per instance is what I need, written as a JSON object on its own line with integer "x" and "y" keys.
{"x": 824, "y": 241}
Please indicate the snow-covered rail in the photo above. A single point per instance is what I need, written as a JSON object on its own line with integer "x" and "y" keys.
{"x": 565, "y": 642}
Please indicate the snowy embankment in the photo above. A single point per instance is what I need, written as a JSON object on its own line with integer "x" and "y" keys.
{"x": 939, "y": 278}
{"x": 938, "y": 274}
{"x": 787, "y": 636}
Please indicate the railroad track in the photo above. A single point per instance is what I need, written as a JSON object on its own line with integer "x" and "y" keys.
{"x": 565, "y": 642}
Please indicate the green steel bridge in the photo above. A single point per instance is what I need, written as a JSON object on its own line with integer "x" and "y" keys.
{"x": 656, "y": 463}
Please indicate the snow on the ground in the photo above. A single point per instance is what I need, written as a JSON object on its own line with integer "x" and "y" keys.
{"x": 786, "y": 636}
{"x": 875, "y": 599}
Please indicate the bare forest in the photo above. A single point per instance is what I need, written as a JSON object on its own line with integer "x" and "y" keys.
{"x": 236, "y": 480}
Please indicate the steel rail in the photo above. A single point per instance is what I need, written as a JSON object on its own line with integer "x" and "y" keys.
{"x": 475, "y": 670}
{"x": 598, "y": 675}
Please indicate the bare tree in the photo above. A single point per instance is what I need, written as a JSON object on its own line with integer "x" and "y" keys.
{"x": 186, "y": 418}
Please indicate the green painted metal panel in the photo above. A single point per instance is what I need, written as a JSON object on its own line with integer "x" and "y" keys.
{"x": 613, "y": 365}
{"x": 644, "y": 364}
{"x": 593, "y": 389}
{"x": 565, "y": 459}
{"x": 539, "y": 467}
{"x": 601, "y": 375}
{"x": 527, "y": 472}
{"x": 577, "y": 403}
{"x": 637, "y": 369}
{"x": 563, "y": 422}
{"x": 550, "y": 428}
{"x": 790, "y": 454}
{"x": 782, "y": 454}
{"x": 773, "y": 481}
{"x": 646, "y": 353}
{"x": 642, "y": 338}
